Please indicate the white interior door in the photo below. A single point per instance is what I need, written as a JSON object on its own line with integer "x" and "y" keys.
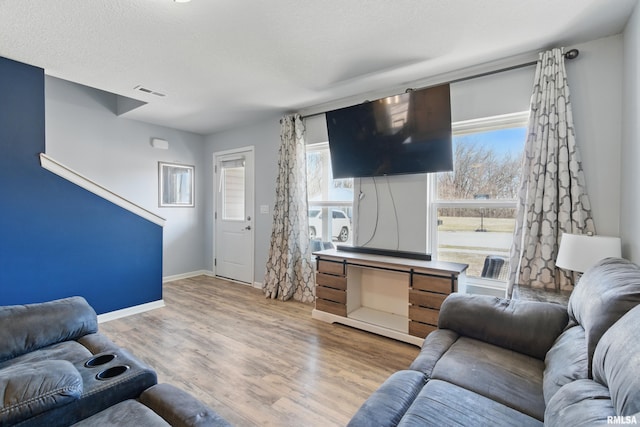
{"x": 234, "y": 214}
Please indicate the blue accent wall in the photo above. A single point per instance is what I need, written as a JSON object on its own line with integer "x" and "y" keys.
{"x": 57, "y": 239}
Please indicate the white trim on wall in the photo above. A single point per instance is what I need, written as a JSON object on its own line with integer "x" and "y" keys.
{"x": 136, "y": 309}
{"x": 188, "y": 275}
{"x": 71, "y": 175}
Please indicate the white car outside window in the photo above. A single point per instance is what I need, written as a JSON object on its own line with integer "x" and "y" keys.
{"x": 340, "y": 224}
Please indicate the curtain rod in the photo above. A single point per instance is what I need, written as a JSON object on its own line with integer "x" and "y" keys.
{"x": 570, "y": 54}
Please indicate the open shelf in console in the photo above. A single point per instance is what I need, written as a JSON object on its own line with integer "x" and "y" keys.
{"x": 378, "y": 297}
{"x": 380, "y": 318}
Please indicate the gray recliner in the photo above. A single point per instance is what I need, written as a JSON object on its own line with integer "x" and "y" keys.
{"x": 56, "y": 369}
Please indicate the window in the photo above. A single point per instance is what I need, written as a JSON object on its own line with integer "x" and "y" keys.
{"x": 330, "y": 200}
{"x": 232, "y": 189}
{"x": 175, "y": 185}
{"x": 474, "y": 206}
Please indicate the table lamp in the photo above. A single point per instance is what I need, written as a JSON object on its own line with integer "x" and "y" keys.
{"x": 578, "y": 252}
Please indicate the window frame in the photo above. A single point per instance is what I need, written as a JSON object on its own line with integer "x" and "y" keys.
{"x": 170, "y": 195}
{"x": 325, "y": 206}
{"x": 466, "y": 127}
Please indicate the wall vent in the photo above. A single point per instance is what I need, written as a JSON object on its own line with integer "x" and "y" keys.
{"x": 141, "y": 88}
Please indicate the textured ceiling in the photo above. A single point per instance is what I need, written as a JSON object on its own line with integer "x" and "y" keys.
{"x": 223, "y": 62}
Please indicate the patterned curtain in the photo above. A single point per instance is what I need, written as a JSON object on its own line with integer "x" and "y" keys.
{"x": 552, "y": 199}
{"x": 289, "y": 270}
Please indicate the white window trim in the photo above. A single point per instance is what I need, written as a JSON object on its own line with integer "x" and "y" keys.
{"x": 519, "y": 119}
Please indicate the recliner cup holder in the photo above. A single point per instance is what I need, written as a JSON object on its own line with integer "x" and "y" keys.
{"x": 99, "y": 360}
{"x": 112, "y": 372}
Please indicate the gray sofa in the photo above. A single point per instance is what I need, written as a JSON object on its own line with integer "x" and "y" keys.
{"x": 56, "y": 369}
{"x": 495, "y": 362}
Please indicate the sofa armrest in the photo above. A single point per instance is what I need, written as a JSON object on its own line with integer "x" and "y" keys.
{"x": 98, "y": 343}
{"x": 24, "y": 328}
{"x": 528, "y": 327}
{"x": 179, "y": 408}
{"x": 435, "y": 345}
{"x": 29, "y": 389}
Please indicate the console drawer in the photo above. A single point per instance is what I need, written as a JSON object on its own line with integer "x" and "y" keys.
{"x": 421, "y": 330}
{"x": 330, "y": 267}
{"x": 336, "y": 282}
{"x": 331, "y": 307}
{"x": 330, "y": 294}
{"x": 440, "y": 285}
{"x": 423, "y": 315}
{"x": 426, "y": 299}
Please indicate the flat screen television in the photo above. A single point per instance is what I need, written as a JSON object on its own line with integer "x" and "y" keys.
{"x": 403, "y": 134}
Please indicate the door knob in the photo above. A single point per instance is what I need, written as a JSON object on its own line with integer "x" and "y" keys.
{"x": 248, "y": 227}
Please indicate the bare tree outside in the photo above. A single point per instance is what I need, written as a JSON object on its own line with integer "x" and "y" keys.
{"x": 480, "y": 173}
{"x": 317, "y": 171}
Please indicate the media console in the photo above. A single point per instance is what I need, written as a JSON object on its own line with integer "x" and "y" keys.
{"x": 392, "y": 296}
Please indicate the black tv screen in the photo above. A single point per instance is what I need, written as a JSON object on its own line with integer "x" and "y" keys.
{"x": 403, "y": 134}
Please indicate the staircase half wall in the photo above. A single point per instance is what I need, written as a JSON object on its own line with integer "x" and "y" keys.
{"x": 56, "y": 238}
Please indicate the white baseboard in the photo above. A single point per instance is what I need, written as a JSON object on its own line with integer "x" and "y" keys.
{"x": 166, "y": 279}
{"x": 257, "y": 285}
{"x": 112, "y": 315}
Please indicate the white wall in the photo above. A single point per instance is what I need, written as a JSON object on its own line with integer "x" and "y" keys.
{"x": 392, "y": 214}
{"x": 265, "y": 137}
{"x": 596, "y": 93}
{"x": 630, "y": 170}
{"x": 84, "y": 133}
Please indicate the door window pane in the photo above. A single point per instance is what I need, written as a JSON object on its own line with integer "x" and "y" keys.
{"x": 232, "y": 188}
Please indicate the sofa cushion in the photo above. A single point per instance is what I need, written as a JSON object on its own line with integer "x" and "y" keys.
{"x": 528, "y": 327}
{"x": 511, "y": 378}
{"x": 443, "y": 404}
{"x": 70, "y": 351}
{"x": 579, "y": 403}
{"x": 30, "y": 389}
{"x": 386, "y": 406}
{"x": 616, "y": 363}
{"x": 566, "y": 361}
{"x": 127, "y": 413}
{"x": 602, "y": 296}
{"x": 24, "y": 328}
{"x": 180, "y": 408}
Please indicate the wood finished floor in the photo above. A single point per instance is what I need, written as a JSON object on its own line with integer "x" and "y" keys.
{"x": 258, "y": 361}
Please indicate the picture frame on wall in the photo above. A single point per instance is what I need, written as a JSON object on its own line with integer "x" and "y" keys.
{"x": 176, "y": 185}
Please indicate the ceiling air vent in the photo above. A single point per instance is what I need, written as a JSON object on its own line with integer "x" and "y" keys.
{"x": 141, "y": 88}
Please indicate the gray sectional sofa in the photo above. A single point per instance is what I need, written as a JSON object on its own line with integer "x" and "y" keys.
{"x": 495, "y": 362}
{"x": 56, "y": 369}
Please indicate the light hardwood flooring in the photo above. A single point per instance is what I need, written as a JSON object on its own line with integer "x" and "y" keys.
{"x": 258, "y": 361}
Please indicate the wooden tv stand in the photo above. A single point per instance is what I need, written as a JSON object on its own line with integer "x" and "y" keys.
{"x": 398, "y": 298}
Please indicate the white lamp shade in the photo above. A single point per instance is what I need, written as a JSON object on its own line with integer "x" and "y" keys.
{"x": 578, "y": 252}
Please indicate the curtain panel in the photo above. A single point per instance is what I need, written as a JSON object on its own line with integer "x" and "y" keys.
{"x": 289, "y": 270}
{"x": 552, "y": 198}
